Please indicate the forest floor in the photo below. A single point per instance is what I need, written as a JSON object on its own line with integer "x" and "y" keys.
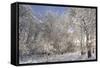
{"x": 57, "y": 58}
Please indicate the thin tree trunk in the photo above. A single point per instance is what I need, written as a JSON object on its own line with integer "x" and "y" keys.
{"x": 89, "y": 54}
{"x": 82, "y": 53}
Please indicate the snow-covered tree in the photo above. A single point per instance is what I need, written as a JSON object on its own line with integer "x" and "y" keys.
{"x": 85, "y": 18}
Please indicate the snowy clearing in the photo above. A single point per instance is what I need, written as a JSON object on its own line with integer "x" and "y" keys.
{"x": 57, "y": 58}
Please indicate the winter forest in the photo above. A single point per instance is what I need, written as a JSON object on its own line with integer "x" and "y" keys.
{"x": 55, "y": 34}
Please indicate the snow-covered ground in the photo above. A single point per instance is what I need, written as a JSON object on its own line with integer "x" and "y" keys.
{"x": 56, "y": 58}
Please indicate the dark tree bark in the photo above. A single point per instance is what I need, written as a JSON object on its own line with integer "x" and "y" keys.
{"x": 89, "y": 53}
